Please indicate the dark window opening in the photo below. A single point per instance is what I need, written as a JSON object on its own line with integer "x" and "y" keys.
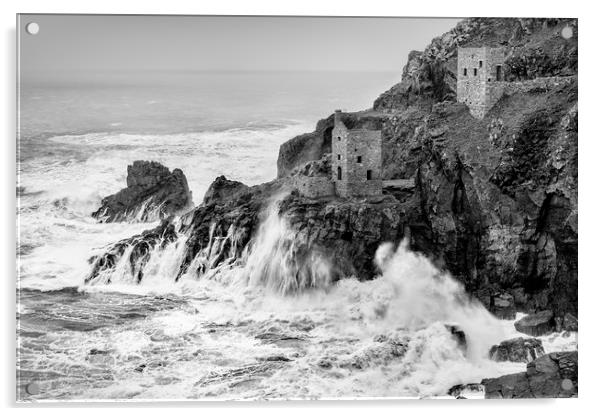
{"x": 359, "y": 159}
{"x": 474, "y": 72}
{"x": 465, "y": 72}
{"x": 339, "y": 173}
{"x": 498, "y": 73}
{"x": 369, "y": 174}
{"x": 339, "y": 157}
{"x": 339, "y": 138}
{"x": 480, "y": 64}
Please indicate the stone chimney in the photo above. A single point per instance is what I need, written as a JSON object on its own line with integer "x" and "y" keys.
{"x": 337, "y": 116}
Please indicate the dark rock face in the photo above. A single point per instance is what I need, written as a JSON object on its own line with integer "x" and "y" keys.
{"x": 550, "y": 376}
{"x": 502, "y": 305}
{"x": 518, "y": 350}
{"x": 222, "y": 189}
{"x": 459, "y": 390}
{"x": 570, "y": 323}
{"x": 345, "y": 233}
{"x": 142, "y": 245}
{"x": 153, "y": 192}
{"x": 537, "y": 324}
{"x": 459, "y": 336}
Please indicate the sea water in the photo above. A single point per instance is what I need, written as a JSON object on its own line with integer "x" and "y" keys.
{"x": 235, "y": 335}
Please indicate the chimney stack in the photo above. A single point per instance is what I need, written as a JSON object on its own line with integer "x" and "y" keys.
{"x": 337, "y": 116}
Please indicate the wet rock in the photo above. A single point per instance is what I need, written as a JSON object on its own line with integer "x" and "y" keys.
{"x": 459, "y": 336}
{"x": 325, "y": 363}
{"x": 281, "y": 358}
{"x": 537, "y": 324}
{"x": 460, "y": 390}
{"x": 517, "y": 350}
{"x": 140, "y": 368}
{"x": 142, "y": 246}
{"x": 550, "y": 376}
{"x": 387, "y": 348}
{"x": 153, "y": 192}
{"x": 96, "y": 351}
{"x": 222, "y": 189}
{"x": 570, "y": 323}
{"x": 239, "y": 375}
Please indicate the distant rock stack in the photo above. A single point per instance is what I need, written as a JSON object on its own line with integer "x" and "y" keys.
{"x": 152, "y": 193}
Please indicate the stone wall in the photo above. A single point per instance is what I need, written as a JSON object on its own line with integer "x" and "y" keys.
{"x": 314, "y": 186}
{"x": 545, "y": 83}
{"x": 356, "y": 152}
{"x": 480, "y": 71}
{"x": 480, "y": 79}
{"x": 364, "y": 153}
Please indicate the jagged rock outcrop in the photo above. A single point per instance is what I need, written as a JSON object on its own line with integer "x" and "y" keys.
{"x": 153, "y": 192}
{"x": 537, "y": 324}
{"x": 518, "y": 350}
{"x": 141, "y": 247}
{"x": 222, "y": 189}
{"x": 552, "y": 375}
{"x": 343, "y": 233}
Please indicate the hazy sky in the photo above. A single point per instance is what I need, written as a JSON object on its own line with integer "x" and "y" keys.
{"x": 97, "y": 43}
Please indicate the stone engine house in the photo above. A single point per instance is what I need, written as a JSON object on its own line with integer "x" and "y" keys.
{"x": 356, "y": 160}
{"x": 480, "y": 78}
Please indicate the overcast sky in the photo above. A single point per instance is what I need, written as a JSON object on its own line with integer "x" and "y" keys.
{"x": 97, "y": 43}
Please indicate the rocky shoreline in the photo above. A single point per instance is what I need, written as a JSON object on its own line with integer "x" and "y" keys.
{"x": 494, "y": 201}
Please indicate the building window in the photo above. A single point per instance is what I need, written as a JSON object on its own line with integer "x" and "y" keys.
{"x": 339, "y": 138}
{"x": 338, "y": 157}
{"x": 369, "y": 174}
{"x": 465, "y": 72}
{"x": 480, "y": 64}
{"x": 359, "y": 159}
{"x": 474, "y": 72}
{"x": 498, "y": 73}
{"x": 339, "y": 173}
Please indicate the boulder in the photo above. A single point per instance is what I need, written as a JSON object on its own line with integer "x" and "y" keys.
{"x": 459, "y": 391}
{"x": 550, "y": 376}
{"x": 537, "y": 324}
{"x": 517, "y": 350}
{"x": 152, "y": 193}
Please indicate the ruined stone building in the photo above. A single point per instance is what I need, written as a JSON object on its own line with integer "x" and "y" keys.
{"x": 480, "y": 78}
{"x": 356, "y": 160}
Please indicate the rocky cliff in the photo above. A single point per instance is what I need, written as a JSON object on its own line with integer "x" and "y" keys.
{"x": 342, "y": 233}
{"x": 496, "y": 199}
{"x": 152, "y": 192}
